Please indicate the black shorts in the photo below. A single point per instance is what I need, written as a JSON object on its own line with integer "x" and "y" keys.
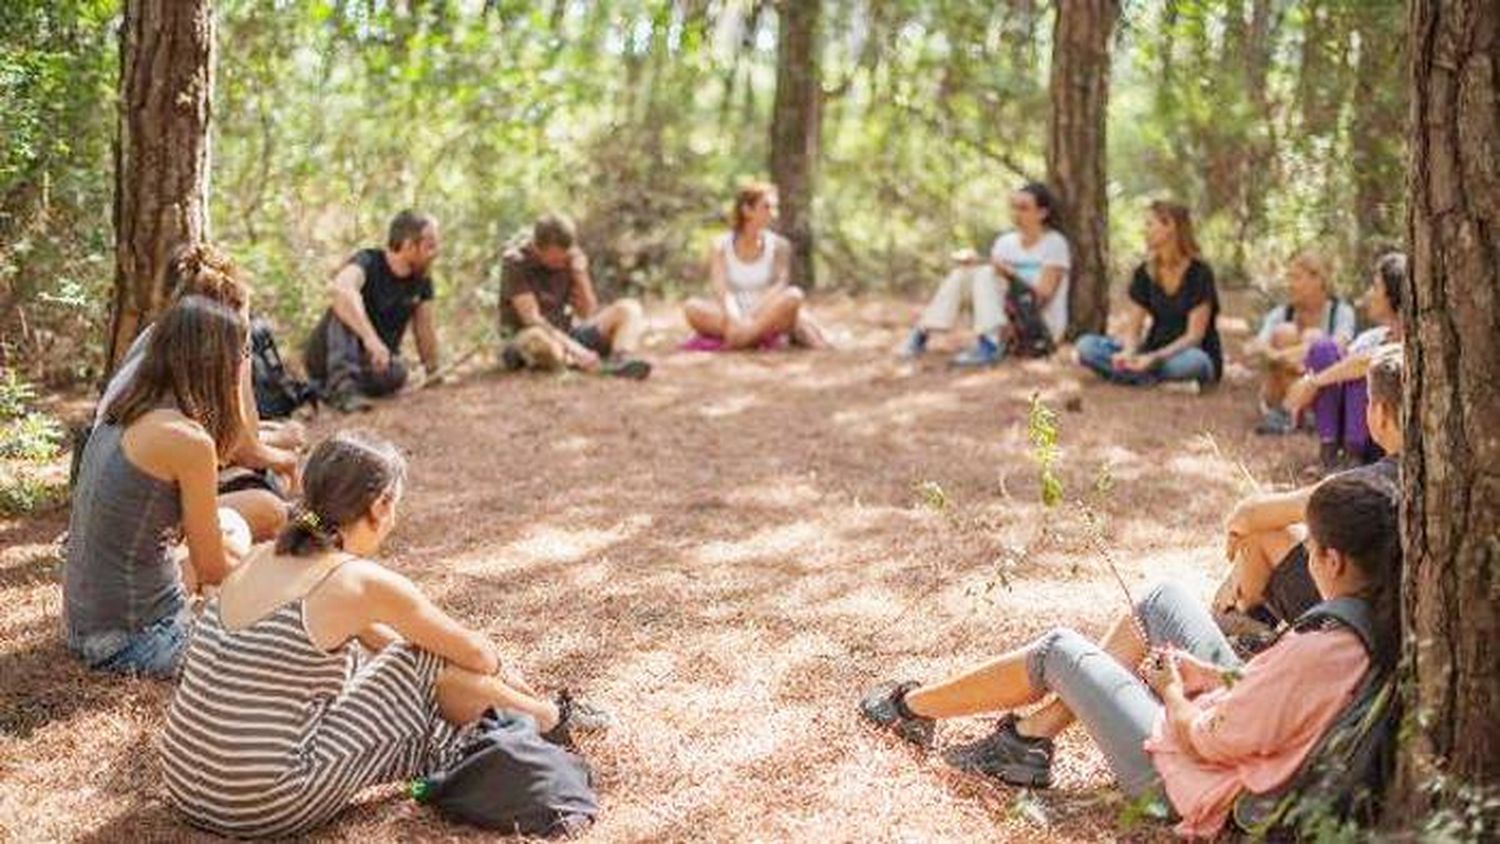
{"x": 591, "y": 338}
{"x": 1291, "y": 590}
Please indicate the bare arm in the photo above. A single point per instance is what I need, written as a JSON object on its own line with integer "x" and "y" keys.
{"x": 396, "y": 602}
{"x": 718, "y": 275}
{"x": 583, "y": 299}
{"x": 190, "y": 456}
{"x": 1135, "y": 321}
{"x": 1197, "y": 329}
{"x": 424, "y": 326}
{"x": 529, "y": 312}
{"x": 1270, "y": 511}
{"x": 350, "y": 308}
{"x": 1047, "y": 284}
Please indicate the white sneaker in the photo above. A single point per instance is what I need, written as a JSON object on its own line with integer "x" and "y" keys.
{"x": 1188, "y": 388}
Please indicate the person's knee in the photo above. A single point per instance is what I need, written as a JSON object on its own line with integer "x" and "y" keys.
{"x": 1323, "y": 353}
{"x": 793, "y": 296}
{"x": 631, "y": 309}
{"x": 1285, "y": 335}
{"x": 1163, "y": 594}
{"x": 1059, "y": 642}
{"x": 1094, "y": 349}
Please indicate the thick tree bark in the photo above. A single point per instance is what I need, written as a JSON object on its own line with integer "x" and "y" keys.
{"x": 1451, "y": 467}
{"x": 795, "y": 128}
{"x": 161, "y": 155}
{"x": 1076, "y": 147}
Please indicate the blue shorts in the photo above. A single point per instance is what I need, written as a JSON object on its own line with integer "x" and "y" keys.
{"x": 155, "y": 651}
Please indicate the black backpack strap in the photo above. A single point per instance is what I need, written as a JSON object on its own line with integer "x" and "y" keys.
{"x": 1348, "y": 612}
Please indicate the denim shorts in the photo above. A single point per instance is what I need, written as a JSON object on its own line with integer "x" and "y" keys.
{"x": 154, "y": 651}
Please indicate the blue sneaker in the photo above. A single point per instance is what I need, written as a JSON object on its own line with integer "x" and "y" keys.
{"x": 986, "y": 352}
{"x": 915, "y": 345}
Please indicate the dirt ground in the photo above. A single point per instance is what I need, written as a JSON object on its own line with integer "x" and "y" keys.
{"x": 724, "y": 557}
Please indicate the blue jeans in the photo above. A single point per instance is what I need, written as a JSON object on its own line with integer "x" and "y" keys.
{"x": 1095, "y": 352}
{"x": 154, "y": 651}
{"x": 1113, "y": 704}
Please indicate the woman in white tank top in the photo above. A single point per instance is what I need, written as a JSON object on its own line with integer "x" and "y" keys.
{"x": 754, "y": 303}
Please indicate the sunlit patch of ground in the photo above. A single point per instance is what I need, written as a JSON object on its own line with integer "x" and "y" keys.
{"x": 724, "y": 556}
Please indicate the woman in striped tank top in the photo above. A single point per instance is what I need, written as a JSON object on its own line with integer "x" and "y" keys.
{"x": 754, "y": 303}
{"x": 281, "y": 717}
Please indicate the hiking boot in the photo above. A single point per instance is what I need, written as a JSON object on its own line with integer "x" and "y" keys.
{"x": 1276, "y": 423}
{"x": 350, "y": 401}
{"x": 915, "y": 345}
{"x": 575, "y": 716}
{"x": 633, "y": 368}
{"x": 1006, "y": 755}
{"x": 986, "y": 352}
{"x": 885, "y": 707}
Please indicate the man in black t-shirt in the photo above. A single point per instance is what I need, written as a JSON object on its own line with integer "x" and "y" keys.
{"x": 1266, "y": 531}
{"x": 356, "y": 349}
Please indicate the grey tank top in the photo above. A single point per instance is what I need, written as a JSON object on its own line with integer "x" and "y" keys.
{"x": 119, "y": 574}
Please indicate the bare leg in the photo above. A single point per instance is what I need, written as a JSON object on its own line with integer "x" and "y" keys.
{"x": 809, "y": 331}
{"x": 622, "y": 324}
{"x": 1279, "y": 375}
{"x": 1001, "y": 684}
{"x": 1123, "y": 643}
{"x": 462, "y": 696}
{"x": 263, "y": 511}
{"x": 776, "y": 315}
{"x": 1245, "y": 587}
{"x": 704, "y": 317}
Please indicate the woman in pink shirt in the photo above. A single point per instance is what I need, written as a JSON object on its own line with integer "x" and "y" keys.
{"x": 1194, "y": 725}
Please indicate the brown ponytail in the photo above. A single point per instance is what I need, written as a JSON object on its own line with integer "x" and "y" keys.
{"x": 748, "y": 197}
{"x": 344, "y": 477}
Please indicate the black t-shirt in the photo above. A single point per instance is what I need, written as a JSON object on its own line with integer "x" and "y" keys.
{"x": 522, "y": 272}
{"x": 389, "y": 299}
{"x": 1169, "y": 313}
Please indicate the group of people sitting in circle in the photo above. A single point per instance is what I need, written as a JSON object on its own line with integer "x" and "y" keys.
{"x": 213, "y": 547}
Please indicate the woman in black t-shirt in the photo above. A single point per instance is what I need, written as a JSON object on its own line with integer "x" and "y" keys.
{"x": 1174, "y": 288}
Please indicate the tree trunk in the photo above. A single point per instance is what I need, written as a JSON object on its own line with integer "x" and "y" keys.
{"x": 1451, "y": 467}
{"x": 1075, "y": 151}
{"x": 795, "y": 128}
{"x": 161, "y": 154}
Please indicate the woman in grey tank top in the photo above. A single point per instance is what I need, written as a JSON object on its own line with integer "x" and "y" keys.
{"x": 147, "y": 481}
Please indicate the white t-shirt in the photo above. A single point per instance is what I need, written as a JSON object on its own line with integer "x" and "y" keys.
{"x": 1338, "y": 320}
{"x": 1050, "y": 250}
{"x": 1369, "y": 340}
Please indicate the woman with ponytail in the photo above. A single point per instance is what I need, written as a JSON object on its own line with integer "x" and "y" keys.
{"x": 754, "y": 303}
{"x": 1176, "y": 714}
{"x": 317, "y": 671}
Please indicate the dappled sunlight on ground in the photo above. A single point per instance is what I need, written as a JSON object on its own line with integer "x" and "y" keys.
{"x": 724, "y": 556}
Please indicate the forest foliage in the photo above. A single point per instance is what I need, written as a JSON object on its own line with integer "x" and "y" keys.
{"x": 1279, "y": 122}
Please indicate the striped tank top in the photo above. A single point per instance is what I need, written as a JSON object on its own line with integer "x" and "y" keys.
{"x": 269, "y": 735}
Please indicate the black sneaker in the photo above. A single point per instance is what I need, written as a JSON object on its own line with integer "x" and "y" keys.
{"x": 1006, "y": 755}
{"x": 349, "y": 401}
{"x": 885, "y": 707}
{"x": 575, "y": 716}
{"x": 633, "y": 368}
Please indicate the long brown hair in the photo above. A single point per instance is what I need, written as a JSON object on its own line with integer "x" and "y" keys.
{"x": 1182, "y": 225}
{"x": 193, "y": 358}
{"x": 748, "y": 197}
{"x": 346, "y": 474}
